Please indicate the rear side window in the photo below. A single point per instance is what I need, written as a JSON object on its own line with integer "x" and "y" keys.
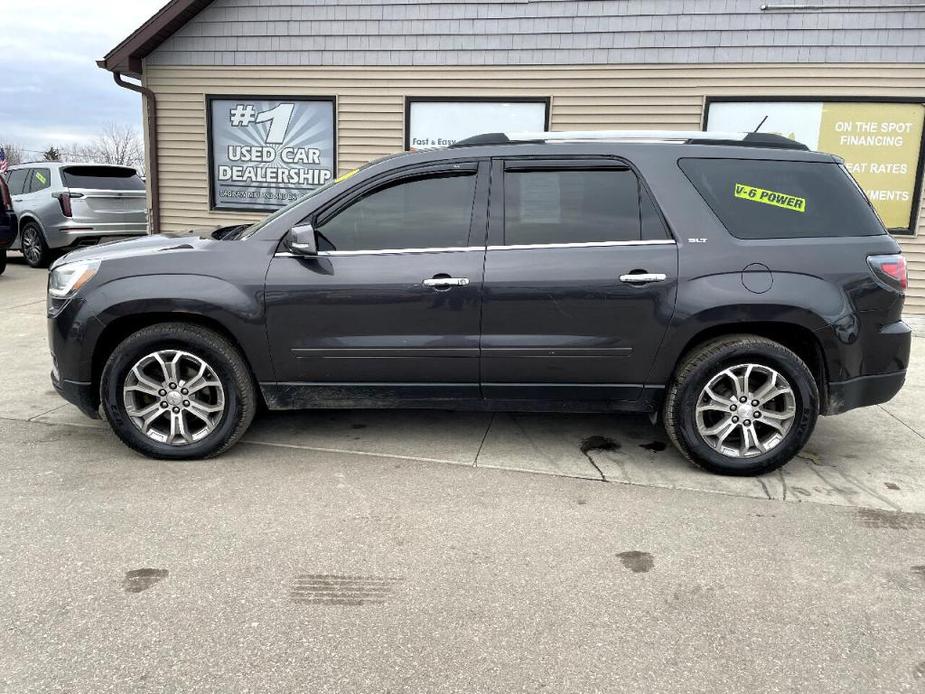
{"x": 16, "y": 181}
{"x": 101, "y": 178}
{"x": 41, "y": 179}
{"x": 550, "y": 206}
{"x": 764, "y": 199}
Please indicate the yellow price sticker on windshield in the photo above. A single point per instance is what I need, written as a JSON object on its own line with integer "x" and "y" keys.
{"x": 770, "y": 197}
{"x": 345, "y": 176}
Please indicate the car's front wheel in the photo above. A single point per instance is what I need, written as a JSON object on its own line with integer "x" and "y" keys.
{"x": 741, "y": 405}
{"x": 33, "y": 246}
{"x": 177, "y": 391}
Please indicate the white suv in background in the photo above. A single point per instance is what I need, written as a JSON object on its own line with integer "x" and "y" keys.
{"x": 60, "y": 206}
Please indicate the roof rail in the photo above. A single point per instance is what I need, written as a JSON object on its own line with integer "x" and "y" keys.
{"x": 691, "y": 137}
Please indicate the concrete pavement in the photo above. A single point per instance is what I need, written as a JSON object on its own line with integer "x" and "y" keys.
{"x": 415, "y": 552}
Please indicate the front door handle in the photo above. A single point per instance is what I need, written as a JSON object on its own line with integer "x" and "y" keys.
{"x": 444, "y": 282}
{"x": 643, "y": 277}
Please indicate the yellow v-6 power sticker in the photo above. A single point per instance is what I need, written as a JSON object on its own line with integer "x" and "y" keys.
{"x": 770, "y": 197}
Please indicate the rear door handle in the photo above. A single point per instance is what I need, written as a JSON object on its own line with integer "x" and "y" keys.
{"x": 446, "y": 282}
{"x": 643, "y": 277}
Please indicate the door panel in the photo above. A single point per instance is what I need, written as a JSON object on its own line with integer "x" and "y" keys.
{"x": 371, "y": 319}
{"x": 7, "y": 219}
{"x": 386, "y": 322}
{"x": 558, "y": 322}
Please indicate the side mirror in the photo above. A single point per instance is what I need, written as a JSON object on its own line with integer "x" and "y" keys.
{"x": 302, "y": 240}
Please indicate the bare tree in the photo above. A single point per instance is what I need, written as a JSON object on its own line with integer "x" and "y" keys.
{"x": 13, "y": 153}
{"x": 116, "y": 144}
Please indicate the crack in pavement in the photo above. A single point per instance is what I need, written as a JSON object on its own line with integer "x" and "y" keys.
{"x": 475, "y": 462}
{"x": 898, "y": 419}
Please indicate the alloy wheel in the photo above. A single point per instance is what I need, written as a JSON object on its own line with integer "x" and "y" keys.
{"x": 31, "y": 245}
{"x": 745, "y": 410}
{"x": 174, "y": 397}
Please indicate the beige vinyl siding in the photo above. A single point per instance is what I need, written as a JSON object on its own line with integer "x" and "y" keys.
{"x": 370, "y": 110}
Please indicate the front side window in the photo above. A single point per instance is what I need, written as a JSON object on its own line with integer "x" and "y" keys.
{"x": 770, "y": 199}
{"x": 595, "y": 205}
{"x": 431, "y": 212}
{"x": 41, "y": 179}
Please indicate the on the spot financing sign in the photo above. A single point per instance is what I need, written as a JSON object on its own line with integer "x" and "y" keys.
{"x": 880, "y": 143}
{"x": 266, "y": 152}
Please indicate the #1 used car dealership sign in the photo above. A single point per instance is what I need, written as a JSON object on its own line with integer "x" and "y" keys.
{"x": 266, "y": 152}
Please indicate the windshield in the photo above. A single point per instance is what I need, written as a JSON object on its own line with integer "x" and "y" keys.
{"x": 248, "y": 231}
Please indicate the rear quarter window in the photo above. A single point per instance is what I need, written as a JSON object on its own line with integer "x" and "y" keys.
{"x": 771, "y": 199}
{"x": 101, "y": 178}
{"x": 41, "y": 179}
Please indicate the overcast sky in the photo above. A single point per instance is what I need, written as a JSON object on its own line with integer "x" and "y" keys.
{"x": 51, "y": 91}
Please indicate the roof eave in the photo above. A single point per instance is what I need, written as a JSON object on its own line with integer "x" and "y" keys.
{"x": 126, "y": 58}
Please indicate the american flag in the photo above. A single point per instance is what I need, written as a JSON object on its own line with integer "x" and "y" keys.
{"x": 4, "y": 164}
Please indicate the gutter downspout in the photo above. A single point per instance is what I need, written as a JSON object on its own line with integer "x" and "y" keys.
{"x": 150, "y": 100}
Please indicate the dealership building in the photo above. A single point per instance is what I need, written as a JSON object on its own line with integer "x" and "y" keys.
{"x": 251, "y": 103}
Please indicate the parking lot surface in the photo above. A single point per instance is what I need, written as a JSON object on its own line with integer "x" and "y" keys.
{"x": 420, "y": 551}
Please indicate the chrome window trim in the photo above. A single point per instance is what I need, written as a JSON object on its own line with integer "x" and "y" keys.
{"x": 466, "y": 249}
{"x": 585, "y": 244}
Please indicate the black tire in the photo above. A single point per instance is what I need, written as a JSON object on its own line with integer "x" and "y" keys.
{"x": 228, "y": 365}
{"x": 2, "y": 261}
{"x": 33, "y": 246}
{"x": 709, "y": 359}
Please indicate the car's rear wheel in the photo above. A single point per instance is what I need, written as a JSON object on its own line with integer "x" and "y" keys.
{"x": 741, "y": 405}
{"x": 33, "y": 246}
{"x": 177, "y": 391}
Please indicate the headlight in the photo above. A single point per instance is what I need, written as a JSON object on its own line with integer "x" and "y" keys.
{"x": 65, "y": 280}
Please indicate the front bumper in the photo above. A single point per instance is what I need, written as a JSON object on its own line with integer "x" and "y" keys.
{"x": 79, "y": 394}
{"x": 72, "y": 335}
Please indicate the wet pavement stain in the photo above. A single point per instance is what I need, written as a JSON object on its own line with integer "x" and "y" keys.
{"x": 919, "y": 571}
{"x": 918, "y": 672}
{"x": 335, "y": 589}
{"x": 891, "y": 485}
{"x": 892, "y": 520}
{"x": 138, "y": 580}
{"x": 636, "y": 561}
{"x": 655, "y": 446}
{"x": 357, "y": 426}
{"x": 599, "y": 443}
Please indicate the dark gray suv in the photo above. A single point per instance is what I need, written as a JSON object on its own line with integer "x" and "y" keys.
{"x": 737, "y": 284}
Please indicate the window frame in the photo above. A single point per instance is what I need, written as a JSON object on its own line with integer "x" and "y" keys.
{"x": 476, "y": 168}
{"x": 501, "y": 165}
